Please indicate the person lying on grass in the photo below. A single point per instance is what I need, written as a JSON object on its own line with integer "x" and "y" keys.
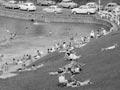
{"x": 72, "y": 82}
{"x": 110, "y": 47}
{"x": 71, "y": 56}
{"x": 73, "y": 68}
{"x": 62, "y": 81}
{"x": 76, "y": 83}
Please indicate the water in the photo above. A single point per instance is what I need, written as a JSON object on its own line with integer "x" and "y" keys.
{"x": 29, "y": 29}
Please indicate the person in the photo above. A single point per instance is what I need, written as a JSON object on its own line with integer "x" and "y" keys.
{"x": 110, "y": 47}
{"x": 39, "y": 53}
{"x": 27, "y": 57}
{"x": 104, "y": 32}
{"x": 62, "y": 80}
{"x": 98, "y": 34}
{"x": 73, "y": 82}
{"x": 77, "y": 70}
{"x": 73, "y": 56}
{"x": 60, "y": 71}
{"x": 57, "y": 46}
{"x": 64, "y": 45}
{"x": 92, "y": 34}
{"x": 48, "y": 50}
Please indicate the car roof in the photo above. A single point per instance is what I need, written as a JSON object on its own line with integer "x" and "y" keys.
{"x": 53, "y": 6}
{"x": 112, "y": 3}
{"x": 29, "y": 3}
{"x": 91, "y": 3}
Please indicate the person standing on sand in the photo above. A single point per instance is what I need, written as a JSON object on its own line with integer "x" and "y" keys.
{"x": 5, "y": 67}
{"x": 92, "y": 34}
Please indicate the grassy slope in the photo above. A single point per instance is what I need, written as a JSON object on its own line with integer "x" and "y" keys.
{"x": 101, "y": 67}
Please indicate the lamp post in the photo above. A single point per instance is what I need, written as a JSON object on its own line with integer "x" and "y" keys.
{"x": 99, "y": 2}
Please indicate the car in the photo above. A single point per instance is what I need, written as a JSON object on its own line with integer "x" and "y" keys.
{"x": 68, "y": 4}
{"x": 45, "y": 2}
{"x": 93, "y": 5}
{"x": 83, "y": 10}
{"x": 11, "y": 5}
{"x": 53, "y": 9}
{"x": 28, "y": 6}
{"x": 110, "y": 6}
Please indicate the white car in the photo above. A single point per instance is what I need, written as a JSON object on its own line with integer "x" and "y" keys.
{"x": 83, "y": 10}
{"x": 53, "y": 9}
{"x": 27, "y": 6}
{"x": 67, "y": 4}
{"x": 11, "y": 5}
{"x": 92, "y": 5}
{"x": 45, "y": 2}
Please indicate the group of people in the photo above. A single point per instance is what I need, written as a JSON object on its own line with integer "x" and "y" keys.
{"x": 98, "y": 33}
{"x": 112, "y": 16}
{"x": 68, "y": 47}
{"x": 21, "y": 62}
{"x": 73, "y": 68}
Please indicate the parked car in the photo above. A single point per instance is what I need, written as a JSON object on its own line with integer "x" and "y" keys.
{"x": 11, "y": 5}
{"x": 92, "y": 5}
{"x": 28, "y": 6}
{"x": 68, "y": 4}
{"x": 110, "y": 6}
{"x": 45, "y": 2}
{"x": 53, "y": 9}
{"x": 84, "y": 10}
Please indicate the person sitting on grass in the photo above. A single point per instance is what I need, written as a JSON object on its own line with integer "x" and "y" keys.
{"x": 104, "y": 32}
{"x": 98, "y": 33}
{"x": 39, "y": 54}
{"x": 110, "y": 47}
{"x": 63, "y": 47}
{"x": 71, "y": 56}
{"x": 62, "y": 81}
{"x": 74, "y": 83}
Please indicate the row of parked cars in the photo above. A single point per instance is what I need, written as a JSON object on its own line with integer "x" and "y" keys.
{"x": 63, "y": 3}
{"x": 28, "y": 6}
{"x": 89, "y": 8}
